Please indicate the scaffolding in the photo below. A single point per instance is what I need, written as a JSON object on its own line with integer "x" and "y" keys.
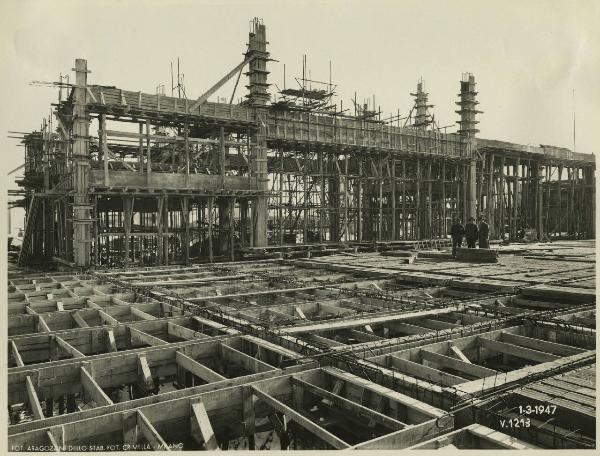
{"x": 204, "y": 181}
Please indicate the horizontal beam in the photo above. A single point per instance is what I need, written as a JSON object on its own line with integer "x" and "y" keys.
{"x": 184, "y": 333}
{"x": 248, "y": 361}
{"x": 350, "y": 406}
{"x": 540, "y": 345}
{"x": 307, "y": 424}
{"x": 425, "y": 372}
{"x": 145, "y": 338}
{"x": 456, "y": 364}
{"x": 141, "y": 314}
{"x": 361, "y": 321}
{"x": 199, "y": 370}
{"x": 515, "y": 350}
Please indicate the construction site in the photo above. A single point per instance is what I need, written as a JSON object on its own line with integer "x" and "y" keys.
{"x": 279, "y": 274}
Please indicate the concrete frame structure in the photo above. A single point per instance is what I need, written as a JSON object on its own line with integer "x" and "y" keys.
{"x": 132, "y": 326}
{"x": 203, "y": 180}
{"x": 287, "y": 353}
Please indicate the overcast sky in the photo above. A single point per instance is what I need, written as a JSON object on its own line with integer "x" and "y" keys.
{"x": 527, "y": 56}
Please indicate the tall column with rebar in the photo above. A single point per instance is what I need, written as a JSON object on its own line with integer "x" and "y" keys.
{"x": 468, "y": 111}
{"x": 422, "y": 118}
{"x": 258, "y": 98}
{"x": 81, "y": 205}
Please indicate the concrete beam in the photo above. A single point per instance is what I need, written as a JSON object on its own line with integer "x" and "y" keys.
{"x": 363, "y": 336}
{"x": 459, "y": 354}
{"x": 461, "y": 366}
{"x": 307, "y": 424}
{"x": 110, "y": 341}
{"x": 350, "y": 406}
{"x": 540, "y": 345}
{"x": 184, "y": 333}
{"x": 78, "y": 319}
{"x": 250, "y": 363}
{"x": 361, "y": 321}
{"x": 151, "y": 434}
{"x": 428, "y": 373}
{"x": 16, "y": 356}
{"x": 54, "y": 442}
{"x": 144, "y": 373}
{"x": 107, "y": 319}
{"x": 67, "y": 347}
{"x": 42, "y": 325}
{"x": 145, "y": 338}
{"x": 199, "y": 370}
{"x": 92, "y": 389}
{"x": 201, "y": 429}
{"x": 33, "y": 401}
{"x": 299, "y": 312}
{"x": 141, "y": 314}
{"x": 407, "y": 328}
{"x": 515, "y": 350}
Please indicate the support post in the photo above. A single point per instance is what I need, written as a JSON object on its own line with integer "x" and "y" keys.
{"x": 211, "y": 200}
{"x": 81, "y": 210}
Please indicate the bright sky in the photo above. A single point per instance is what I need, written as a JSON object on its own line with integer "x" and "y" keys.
{"x": 527, "y": 56}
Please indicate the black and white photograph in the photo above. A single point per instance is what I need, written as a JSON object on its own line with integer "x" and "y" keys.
{"x": 299, "y": 225}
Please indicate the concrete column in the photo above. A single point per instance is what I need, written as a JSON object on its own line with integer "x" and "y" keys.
{"x": 417, "y": 218}
{"x": 127, "y": 216}
{"x": 243, "y": 221}
{"x": 224, "y": 216}
{"x": 516, "y": 197}
{"x": 539, "y": 199}
{"x": 472, "y": 189}
{"x": 211, "y": 202}
{"x": 334, "y": 208}
{"x": 501, "y": 196}
{"x": 81, "y": 207}
{"x": 258, "y": 98}
{"x": 429, "y": 222}
{"x": 590, "y": 201}
{"x": 185, "y": 218}
{"x": 394, "y": 233}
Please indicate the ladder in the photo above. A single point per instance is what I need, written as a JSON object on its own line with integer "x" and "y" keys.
{"x": 26, "y": 250}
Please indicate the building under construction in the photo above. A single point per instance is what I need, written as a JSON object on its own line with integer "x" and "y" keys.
{"x": 275, "y": 274}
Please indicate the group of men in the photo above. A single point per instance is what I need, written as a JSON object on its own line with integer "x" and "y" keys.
{"x": 471, "y": 232}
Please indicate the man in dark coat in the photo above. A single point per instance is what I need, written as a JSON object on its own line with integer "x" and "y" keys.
{"x": 484, "y": 234}
{"x": 471, "y": 233}
{"x": 456, "y": 231}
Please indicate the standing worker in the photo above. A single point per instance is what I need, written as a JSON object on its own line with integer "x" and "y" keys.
{"x": 471, "y": 233}
{"x": 484, "y": 234}
{"x": 456, "y": 231}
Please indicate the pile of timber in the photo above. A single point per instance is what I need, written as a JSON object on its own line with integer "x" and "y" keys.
{"x": 477, "y": 255}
